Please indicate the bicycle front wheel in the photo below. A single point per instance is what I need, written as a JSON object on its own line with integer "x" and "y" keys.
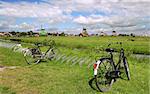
{"x": 50, "y": 54}
{"x": 29, "y": 58}
{"x": 103, "y": 78}
{"x": 126, "y": 66}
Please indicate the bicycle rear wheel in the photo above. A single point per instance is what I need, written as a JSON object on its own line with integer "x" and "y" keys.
{"x": 29, "y": 58}
{"x": 103, "y": 78}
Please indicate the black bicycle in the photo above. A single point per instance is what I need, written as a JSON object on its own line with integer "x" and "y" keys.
{"x": 106, "y": 71}
{"x": 35, "y": 55}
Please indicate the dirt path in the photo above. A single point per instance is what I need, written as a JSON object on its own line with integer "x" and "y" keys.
{"x": 6, "y": 67}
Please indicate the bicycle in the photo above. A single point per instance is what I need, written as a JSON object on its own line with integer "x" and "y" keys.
{"x": 106, "y": 71}
{"x": 35, "y": 55}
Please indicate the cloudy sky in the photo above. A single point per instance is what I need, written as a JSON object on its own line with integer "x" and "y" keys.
{"x": 123, "y": 16}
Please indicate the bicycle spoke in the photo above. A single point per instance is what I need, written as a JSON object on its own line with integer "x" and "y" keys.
{"x": 104, "y": 65}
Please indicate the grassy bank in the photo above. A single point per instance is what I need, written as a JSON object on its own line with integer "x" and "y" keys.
{"x": 59, "y": 78}
{"x": 136, "y": 45}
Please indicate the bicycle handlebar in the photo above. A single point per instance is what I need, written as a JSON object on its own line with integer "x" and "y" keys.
{"x": 116, "y": 43}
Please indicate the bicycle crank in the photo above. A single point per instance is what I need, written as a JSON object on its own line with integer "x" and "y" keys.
{"x": 113, "y": 74}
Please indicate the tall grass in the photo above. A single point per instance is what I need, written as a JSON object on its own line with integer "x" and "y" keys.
{"x": 137, "y": 45}
{"x": 59, "y": 78}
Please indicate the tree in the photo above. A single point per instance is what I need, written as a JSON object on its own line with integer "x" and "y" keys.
{"x": 132, "y": 35}
{"x": 62, "y": 34}
{"x": 13, "y": 33}
{"x": 23, "y": 34}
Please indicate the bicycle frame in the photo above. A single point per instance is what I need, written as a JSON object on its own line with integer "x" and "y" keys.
{"x": 42, "y": 55}
{"x": 35, "y": 54}
{"x": 121, "y": 56}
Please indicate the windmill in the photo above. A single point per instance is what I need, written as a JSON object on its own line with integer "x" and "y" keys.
{"x": 84, "y": 33}
{"x": 42, "y": 32}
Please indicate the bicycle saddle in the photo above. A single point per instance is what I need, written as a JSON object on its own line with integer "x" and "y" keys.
{"x": 109, "y": 50}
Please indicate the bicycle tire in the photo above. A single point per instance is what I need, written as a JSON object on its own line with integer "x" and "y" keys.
{"x": 29, "y": 58}
{"x": 50, "y": 54}
{"x": 126, "y": 67}
{"x": 105, "y": 84}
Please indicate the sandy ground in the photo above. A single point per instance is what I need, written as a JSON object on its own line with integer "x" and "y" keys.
{"x": 2, "y": 68}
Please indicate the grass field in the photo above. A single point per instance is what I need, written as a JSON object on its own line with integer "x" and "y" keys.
{"x": 60, "y": 78}
{"x": 136, "y": 45}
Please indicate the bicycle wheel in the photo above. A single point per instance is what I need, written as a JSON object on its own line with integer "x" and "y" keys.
{"x": 126, "y": 67}
{"x": 50, "y": 54}
{"x": 103, "y": 78}
{"x": 29, "y": 58}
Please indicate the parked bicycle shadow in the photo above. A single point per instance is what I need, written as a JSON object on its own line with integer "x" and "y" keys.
{"x": 92, "y": 84}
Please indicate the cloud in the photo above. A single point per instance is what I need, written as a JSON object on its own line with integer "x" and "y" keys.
{"x": 9, "y": 26}
{"x": 25, "y": 26}
{"x": 25, "y": 9}
{"x": 5, "y": 23}
{"x": 121, "y": 15}
{"x": 90, "y": 20}
{"x": 4, "y": 26}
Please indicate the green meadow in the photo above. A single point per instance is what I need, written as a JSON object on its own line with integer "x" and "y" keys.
{"x": 54, "y": 77}
{"x": 136, "y": 45}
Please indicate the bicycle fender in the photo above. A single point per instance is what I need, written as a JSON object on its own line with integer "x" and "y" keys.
{"x": 96, "y": 65}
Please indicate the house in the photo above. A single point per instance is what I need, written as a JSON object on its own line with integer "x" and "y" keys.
{"x": 1, "y": 34}
{"x": 36, "y": 35}
{"x": 103, "y": 34}
{"x": 5, "y": 34}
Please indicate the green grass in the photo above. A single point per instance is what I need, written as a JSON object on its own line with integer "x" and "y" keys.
{"x": 139, "y": 45}
{"x": 55, "y": 78}
{"x": 6, "y": 90}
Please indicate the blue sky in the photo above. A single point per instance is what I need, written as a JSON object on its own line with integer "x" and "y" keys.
{"x": 70, "y": 16}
